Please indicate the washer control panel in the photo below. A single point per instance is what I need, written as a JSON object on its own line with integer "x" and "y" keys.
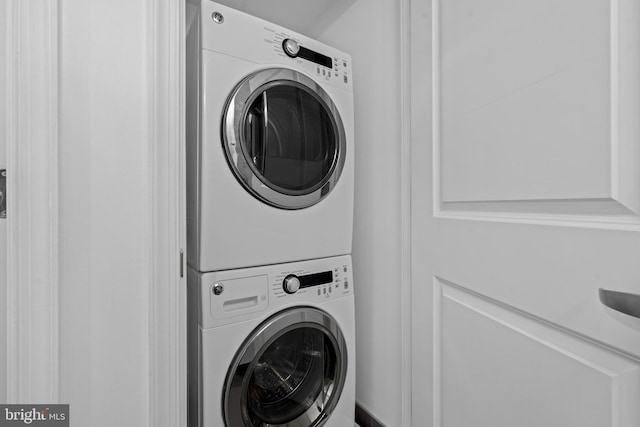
{"x": 228, "y": 296}
{"x": 316, "y": 283}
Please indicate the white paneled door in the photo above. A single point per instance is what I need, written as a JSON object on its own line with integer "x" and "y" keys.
{"x": 526, "y": 204}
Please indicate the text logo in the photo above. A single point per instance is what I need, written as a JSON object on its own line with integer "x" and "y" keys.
{"x": 34, "y": 415}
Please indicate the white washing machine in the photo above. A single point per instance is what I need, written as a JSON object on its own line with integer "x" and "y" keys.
{"x": 272, "y": 346}
{"x": 270, "y": 154}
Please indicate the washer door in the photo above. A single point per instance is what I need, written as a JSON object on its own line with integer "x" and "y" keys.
{"x": 289, "y": 372}
{"x": 283, "y": 138}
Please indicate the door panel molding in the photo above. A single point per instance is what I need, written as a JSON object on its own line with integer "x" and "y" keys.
{"x": 594, "y": 182}
{"x": 625, "y": 103}
{"x": 32, "y": 202}
{"x": 601, "y": 214}
{"x": 482, "y": 340}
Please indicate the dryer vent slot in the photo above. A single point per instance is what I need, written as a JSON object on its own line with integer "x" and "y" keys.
{"x": 240, "y": 304}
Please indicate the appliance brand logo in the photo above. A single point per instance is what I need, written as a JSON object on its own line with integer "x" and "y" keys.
{"x": 36, "y": 415}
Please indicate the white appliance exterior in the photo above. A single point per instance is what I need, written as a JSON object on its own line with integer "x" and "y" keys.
{"x": 227, "y": 226}
{"x": 220, "y": 324}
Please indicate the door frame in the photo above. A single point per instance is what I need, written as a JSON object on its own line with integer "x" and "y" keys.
{"x": 407, "y": 208}
{"x": 33, "y": 292}
{"x": 32, "y": 302}
{"x": 167, "y": 240}
{"x": 423, "y": 291}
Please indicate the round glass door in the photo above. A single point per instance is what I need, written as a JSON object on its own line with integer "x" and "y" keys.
{"x": 284, "y": 138}
{"x": 289, "y": 372}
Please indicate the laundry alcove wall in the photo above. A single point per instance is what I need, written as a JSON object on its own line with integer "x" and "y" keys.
{"x": 304, "y": 16}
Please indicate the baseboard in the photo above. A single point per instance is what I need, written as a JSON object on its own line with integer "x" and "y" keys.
{"x": 365, "y": 419}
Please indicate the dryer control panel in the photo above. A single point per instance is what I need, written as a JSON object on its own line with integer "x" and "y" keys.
{"x": 237, "y": 34}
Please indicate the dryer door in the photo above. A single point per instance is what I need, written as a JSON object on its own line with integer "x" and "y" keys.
{"x": 289, "y": 372}
{"x": 284, "y": 138}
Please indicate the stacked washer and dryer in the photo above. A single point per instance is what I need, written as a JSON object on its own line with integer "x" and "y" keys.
{"x": 270, "y": 160}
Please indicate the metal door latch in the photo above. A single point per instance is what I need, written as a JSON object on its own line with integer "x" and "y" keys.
{"x": 3, "y": 193}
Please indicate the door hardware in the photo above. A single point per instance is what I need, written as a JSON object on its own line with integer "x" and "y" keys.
{"x": 623, "y": 302}
{"x": 3, "y": 193}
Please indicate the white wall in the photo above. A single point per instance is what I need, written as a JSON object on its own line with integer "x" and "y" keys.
{"x": 370, "y": 30}
{"x": 104, "y": 212}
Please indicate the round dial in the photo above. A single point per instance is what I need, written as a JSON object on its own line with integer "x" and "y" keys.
{"x": 291, "y": 284}
{"x": 291, "y": 47}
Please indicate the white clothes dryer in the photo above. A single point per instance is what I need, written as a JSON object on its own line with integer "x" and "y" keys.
{"x": 270, "y": 154}
{"x": 272, "y": 346}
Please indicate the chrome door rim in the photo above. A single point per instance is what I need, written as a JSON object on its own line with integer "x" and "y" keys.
{"x": 233, "y": 138}
{"x": 234, "y": 404}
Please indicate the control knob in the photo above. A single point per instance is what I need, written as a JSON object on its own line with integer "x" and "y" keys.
{"x": 291, "y": 47}
{"x": 291, "y": 284}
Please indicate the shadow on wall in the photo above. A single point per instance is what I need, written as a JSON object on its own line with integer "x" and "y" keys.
{"x": 308, "y": 17}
